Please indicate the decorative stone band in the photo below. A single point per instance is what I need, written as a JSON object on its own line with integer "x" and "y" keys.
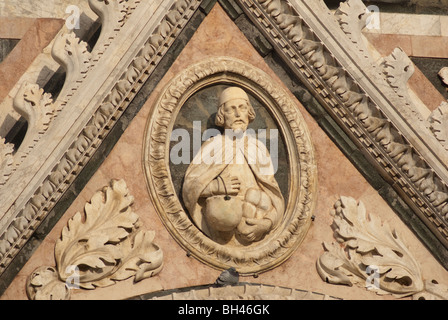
{"x": 361, "y": 102}
{"x": 156, "y": 34}
{"x": 241, "y": 291}
{"x": 277, "y": 246}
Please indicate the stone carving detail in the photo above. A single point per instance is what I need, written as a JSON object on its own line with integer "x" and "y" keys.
{"x": 370, "y": 254}
{"x": 6, "y": 161}
{"x": 443, "y": 74}
{"x": 106, "y": 246}
{"x": 233, "y": 197}
{"x": 73, "y": 55}
{"x": 113, "y": 15}
{"x": 39, "y": 110}
{"x": 352, "y": 17}
{"x": 259, "y": 256}
{"x": 359, "y": 114}
{"x": 28, "y": 217}
{"x": 246, "y": 291}
{"x": 438, "y": 124}
{"x": 398, "y": 69}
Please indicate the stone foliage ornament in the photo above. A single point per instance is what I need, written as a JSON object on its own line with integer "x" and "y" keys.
{"x": 105, "y": 246}
{"x": 39, "y": 110}
{"x": 274, "y": 245}
{"x": 370, "y": 254}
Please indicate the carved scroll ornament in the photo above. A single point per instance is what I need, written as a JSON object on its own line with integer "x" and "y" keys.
{"x": 370, "y": 254}
{"x": 277, "y": 246}
{"x": 105, "y": 246}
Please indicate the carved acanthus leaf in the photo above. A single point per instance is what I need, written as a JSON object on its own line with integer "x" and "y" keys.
{"x": 104, "y": 247}
{"x": 367, "y": 245}
{"x": 37, "y": 107}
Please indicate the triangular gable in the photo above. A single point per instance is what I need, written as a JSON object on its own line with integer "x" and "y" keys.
{"x": 127, "y": 85}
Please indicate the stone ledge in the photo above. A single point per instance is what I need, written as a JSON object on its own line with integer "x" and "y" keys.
{"x": 242, "y": 291}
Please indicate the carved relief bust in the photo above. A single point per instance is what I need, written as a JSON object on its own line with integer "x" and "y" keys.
{"x": 229, "y": 200}
{"x": 230, "y": 190}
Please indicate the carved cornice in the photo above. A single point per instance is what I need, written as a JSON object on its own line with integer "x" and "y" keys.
{"x": 28, "y": 202}
{"x": 362, "y": 102}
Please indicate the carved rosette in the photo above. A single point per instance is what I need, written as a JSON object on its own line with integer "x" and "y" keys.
{"x": 279, "y": 245}
{"x": 105, "y": 246}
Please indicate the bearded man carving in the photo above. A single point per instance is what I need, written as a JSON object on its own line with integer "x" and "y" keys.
{"x": 229, "y": 188}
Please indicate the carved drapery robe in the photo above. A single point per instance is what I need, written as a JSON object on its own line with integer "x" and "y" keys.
{"x": 248, "y": 159}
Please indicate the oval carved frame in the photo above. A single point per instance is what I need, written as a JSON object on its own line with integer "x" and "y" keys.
{"x": 282, "y": 242}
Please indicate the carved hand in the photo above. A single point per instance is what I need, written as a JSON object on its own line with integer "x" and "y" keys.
{"x": 254, "y": 229}
{"x": 221, "y": 186}
{"x": 232, "y": 185}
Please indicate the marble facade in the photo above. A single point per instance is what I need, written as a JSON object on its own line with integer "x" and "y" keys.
{"x": 337, "y": 172}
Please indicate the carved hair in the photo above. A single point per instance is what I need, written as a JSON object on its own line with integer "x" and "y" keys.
{"x": 219, "y": 119}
